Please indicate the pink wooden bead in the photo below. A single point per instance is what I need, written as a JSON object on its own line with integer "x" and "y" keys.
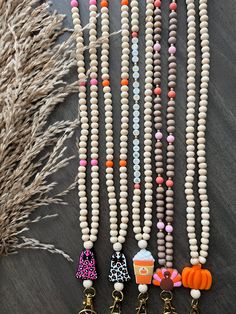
{"x": 157, "y": 3}
{"x": 169, "y": 183}
{"x": 82, "y": 83}
{"x": 74, "y": 3}
{"x": 137, "y": 186}
{"x": 173, "y": 6}
{"x": 92, "y": 2}
{"x": 94, "y": 162}
{"x": 159, "y": 180}
{"x": 83, "y": 162}
{"x": 94, "y": 82}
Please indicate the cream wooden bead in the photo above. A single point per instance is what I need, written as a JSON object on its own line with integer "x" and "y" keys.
{"x": 118, "y": 286}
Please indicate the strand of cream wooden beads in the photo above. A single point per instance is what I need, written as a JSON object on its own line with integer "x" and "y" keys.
{"x": 118, "y": 270}
{"x": 198, "y": 257}
{"x": 142, "y": 235}
{"x": 87, "y": 268}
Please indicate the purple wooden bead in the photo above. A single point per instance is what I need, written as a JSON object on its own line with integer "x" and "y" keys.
{"x": 158, "y": 136}
{"x": 160, "y": 225}
{"x": 170, "y": 138}
{"x": 157, "y": 47}
{"x": 172, "y": 50}
{"x": 169, "y": 229}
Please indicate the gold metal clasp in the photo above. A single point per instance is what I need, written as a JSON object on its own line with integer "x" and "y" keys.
{"x": 89, "y": 295}
{"x": 194, "y": 307}
{"x": 117, "y": 299}
{"x": 167, "y": 297}
{"x": 142, "y": 304}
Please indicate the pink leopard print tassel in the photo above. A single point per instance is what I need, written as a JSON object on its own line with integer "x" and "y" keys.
{"x": 87, "y": 266}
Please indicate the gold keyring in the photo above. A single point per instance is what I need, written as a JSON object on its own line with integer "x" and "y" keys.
{"x": 166, "y": 295}
{"x": 143, "y": 296}
{"x": 90, "y": 292}
{"x": 118, "y": 295}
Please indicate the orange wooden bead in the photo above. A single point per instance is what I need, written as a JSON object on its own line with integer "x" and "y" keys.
{"x": 124, "y": 82}
{"x": 196, "y": 278}
{"x": 105, "y": 83}
{"x": 104, "y": 3}
{"x": 109, "y": 163}
{"x": 123, "y": 163}
{"x": 124, "y": 2}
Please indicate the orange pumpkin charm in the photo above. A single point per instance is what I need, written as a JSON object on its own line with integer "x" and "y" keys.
{"x": 196, "y": 278}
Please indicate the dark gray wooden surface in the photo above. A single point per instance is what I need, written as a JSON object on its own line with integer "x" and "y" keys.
{"x": 41, "y": 283}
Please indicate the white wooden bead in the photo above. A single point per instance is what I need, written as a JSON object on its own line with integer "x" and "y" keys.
{"x": 142, "y": 244}
{"x": 117, "y": 247}
{"x": 87, "y": 284}
{"x": 88, "y": 245}
{"x": 142, "y": 288}
{"x": 119, "y": 286}
{"x": 195, "y": 294}
{"x": 194, "y": 261}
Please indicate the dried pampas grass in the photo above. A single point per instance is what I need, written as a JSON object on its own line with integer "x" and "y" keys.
{"x": 32, "y": 71}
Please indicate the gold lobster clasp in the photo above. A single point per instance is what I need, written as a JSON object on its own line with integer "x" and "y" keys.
{"x": 194, "y": 307}
{"x": 167, "y": 297}
{"x": 142, "y": 304}
{"x": 117, "y": 299}
{"x": 89, "y": 295}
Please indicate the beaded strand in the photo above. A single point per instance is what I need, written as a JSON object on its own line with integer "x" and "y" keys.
{"x": 142, "y": 234}
{"x": 160, "y": 204}
{"x": 170, "y": 117}
{"x": 198, "y": 257}
{"x": 165, "y": 243}
{"x": 166, "y": 277}
{"x": 118, "y": 275}
{"x": 89, "y": 234}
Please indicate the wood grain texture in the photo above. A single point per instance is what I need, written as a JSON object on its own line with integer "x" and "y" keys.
{"x": 41, "y": 283}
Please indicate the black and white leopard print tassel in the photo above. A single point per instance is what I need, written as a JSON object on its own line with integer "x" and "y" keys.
{"x": 118, "y": 270}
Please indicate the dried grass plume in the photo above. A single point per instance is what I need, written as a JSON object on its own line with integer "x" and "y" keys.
{"x": 32, "y": 71}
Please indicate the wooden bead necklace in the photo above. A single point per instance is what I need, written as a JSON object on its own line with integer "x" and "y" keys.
{"x": 87, "y": 265}
{"x": 166, "y": 277}
{"x": 143, "y": 261}
{"x": 118, "y": 274}
{"x": 195, "y": 277}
